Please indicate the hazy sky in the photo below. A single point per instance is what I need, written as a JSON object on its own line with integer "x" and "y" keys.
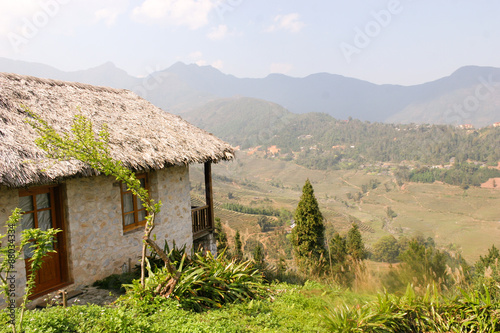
{"x": 400, "y": 42}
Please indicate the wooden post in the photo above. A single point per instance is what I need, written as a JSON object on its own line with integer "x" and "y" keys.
{"x": 208, "y": 193}
{"x": 64, "y": 298}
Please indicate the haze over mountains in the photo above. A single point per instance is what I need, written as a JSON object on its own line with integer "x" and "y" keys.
{"x": 470, "y": 95}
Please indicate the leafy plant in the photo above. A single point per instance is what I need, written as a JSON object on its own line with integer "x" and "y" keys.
{"x": 211, "y": 282}
{"x": 41, "y": 243}
{"x": 205, "y": 281}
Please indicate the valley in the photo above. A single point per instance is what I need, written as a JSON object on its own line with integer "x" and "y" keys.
{"x": 464, "y": 221}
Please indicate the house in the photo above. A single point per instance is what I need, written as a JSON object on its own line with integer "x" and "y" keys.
{"x": 101, "y": 222}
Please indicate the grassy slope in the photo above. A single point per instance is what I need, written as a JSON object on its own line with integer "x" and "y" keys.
{"x": 470, "y": 219}
{"x": 288, "y": 308}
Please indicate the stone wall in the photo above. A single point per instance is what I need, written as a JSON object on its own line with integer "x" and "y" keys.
{"x": 96, "y": 243}
{"x": 172, "y": 187}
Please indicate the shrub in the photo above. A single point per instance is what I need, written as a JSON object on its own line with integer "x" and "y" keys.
{"x": 211, "y": 282}
{"x": 205, "y": 282}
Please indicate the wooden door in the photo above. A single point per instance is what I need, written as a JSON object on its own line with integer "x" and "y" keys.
{"x": 42, "y": 209}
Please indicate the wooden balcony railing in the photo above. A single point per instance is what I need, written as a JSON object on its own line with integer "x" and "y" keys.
{"x": 202, "y": 222}
{"x": 203, "y": 216}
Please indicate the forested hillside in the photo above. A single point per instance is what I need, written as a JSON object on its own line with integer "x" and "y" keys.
{"x": 241, "y": 121}
{"x": 317, "y": 140}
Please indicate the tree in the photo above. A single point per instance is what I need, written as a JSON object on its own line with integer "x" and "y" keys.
{"x": 220, "y": 237}
{"x": 238, "y": 252}
{"x": 423, "y": 264}
{"x": 340, "y": 267}
{"x": 258, "y": 256}
{"x": 338, "y": 250}
{"x": 491, "y": 258}
{"x": 309, "y": 232}
{"x": 386, "y": 249}
{"x": 264, "y": 224}
{"x": 354, "y": 243}
{"x": 488, "y": 273}
{"x": 390, "y": 213}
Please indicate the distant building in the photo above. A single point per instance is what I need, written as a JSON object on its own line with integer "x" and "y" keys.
{"x": 497, "y": 124}
{"x": 466, "y": 126}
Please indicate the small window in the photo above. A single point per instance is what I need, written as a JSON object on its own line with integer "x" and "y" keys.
{"x": 133, "y": 212}
{"x": 38, "y": 211}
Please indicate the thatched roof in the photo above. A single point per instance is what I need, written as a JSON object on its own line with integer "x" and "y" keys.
{"x": 142, "y": 136}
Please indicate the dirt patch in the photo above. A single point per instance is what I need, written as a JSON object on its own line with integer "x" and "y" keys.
{"x": 252, "y": 151}
{"x": 273, "y": 150}
{"x": 492, "y": 183}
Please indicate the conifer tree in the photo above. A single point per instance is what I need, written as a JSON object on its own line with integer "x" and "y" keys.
{"x": 258, "y": 256}
{"x": 340, "y": 267}
{"x": 220, "y": 237}
{"x": 238, "y": 252}
{"x": 355, "y": 247}
{"x": 309, "y": 231}
{"x": 338, "y": 250}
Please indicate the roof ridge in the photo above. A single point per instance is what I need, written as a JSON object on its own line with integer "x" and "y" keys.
{"x": 56, "y": 82}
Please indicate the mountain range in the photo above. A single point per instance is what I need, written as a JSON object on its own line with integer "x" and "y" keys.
{"x": 470, "y": 95}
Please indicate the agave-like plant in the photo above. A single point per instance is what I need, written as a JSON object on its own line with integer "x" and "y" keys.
{"x": 205, "y": 281}
{"x": 213, "y": 281}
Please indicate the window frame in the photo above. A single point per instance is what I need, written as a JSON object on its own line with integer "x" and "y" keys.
{"x": 135, "y": 207}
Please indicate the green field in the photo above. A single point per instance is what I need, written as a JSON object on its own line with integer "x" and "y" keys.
{"x": 464, "y": 220}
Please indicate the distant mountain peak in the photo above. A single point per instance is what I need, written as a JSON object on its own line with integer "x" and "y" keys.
{"x": 178, "y": 64}
{"x": 106, "y": 65}
{"x": 192, "y": 67}
{"x": 473, "y": 71}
